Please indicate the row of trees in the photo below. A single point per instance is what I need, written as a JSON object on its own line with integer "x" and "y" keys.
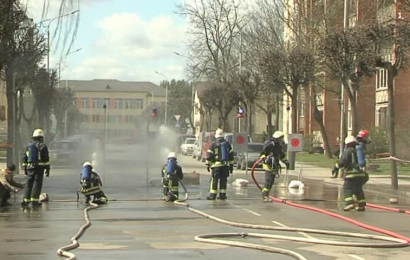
{"x": 23, "y": 46}
{"x": 254, "y": 54}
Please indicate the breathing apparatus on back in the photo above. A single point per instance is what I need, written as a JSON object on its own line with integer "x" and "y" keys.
{"x": 86, "y": 174}
{"x": 171, "y": 163}
{"x": 222, "y": 146}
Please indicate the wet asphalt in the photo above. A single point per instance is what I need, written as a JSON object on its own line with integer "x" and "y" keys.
{"x": 136, "y": 224}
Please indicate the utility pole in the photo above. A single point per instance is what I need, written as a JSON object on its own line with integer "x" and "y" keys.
{"x": 342, "y": 99}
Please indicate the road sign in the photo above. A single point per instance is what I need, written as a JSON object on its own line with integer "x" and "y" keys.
{"x": 177, "y": 117}
{"x": 295, "y": 143}
{"x": 240, "y": 142}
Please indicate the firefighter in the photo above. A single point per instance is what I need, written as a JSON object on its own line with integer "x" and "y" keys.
{"x": 36, "y": 162}
{"x": 220, "y": 161}
{"x": 8, "y": 185}
{"x": 362, "y": 139}
{"x": 272, "y": 153}
{"x": 355, "y": 176}
{"x": 91, "y": 185}
{"x": 171, "y": 175}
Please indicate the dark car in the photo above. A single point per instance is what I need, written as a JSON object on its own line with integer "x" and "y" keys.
{"x": 248, "y": 159}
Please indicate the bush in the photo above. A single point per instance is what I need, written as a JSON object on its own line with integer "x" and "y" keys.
{"x": 308, "y": 143}
{"x": 379, "y": 142}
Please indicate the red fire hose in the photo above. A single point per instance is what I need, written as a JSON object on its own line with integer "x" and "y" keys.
{"x": 357, "y": 223}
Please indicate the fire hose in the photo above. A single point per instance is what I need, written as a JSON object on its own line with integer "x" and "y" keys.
{"x": 393, "y": 240}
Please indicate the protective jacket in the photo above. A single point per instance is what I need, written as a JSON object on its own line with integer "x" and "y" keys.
{"x": 272, "y": 154}
{"x": 214, "y": 154}
{"x": 41, "y": 158}
{"x": 93, "y": 186}
{"x": 7, "y": 184}
{"x": 348, "y": 161}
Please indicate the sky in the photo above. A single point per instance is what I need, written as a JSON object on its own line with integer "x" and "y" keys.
{"x": 121, "y": 39}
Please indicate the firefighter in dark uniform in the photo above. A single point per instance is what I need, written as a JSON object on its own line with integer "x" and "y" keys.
{"x": 355, "y": 176}
{"x": 273, "y": 152}
{"x": 36, "y": 162}
{"x": 92, "y": 185}
{"x": 221, "y": 167}
{"x": 171, "y": 174}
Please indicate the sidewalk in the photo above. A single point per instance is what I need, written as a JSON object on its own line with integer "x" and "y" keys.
{"x": 379, "y": 183}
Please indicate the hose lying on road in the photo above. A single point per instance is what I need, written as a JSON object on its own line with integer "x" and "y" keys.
{"x": 64, "y": 251}
{"x": 357, "y": 223}
{"x": 389, "y": 242}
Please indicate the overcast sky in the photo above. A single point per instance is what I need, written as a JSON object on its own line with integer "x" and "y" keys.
{"x": 121, "y": 39}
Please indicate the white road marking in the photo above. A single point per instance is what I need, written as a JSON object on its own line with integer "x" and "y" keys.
{"x": 356, "y": 257}
{"x": 302, "y": 233}
{"x": 247, "y": 210}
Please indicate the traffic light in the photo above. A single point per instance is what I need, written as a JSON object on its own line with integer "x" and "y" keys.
{"x": 154, "y": 112}
{"x": 241, "y": 111}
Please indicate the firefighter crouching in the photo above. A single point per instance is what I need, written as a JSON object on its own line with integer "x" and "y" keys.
{"x": 91, "y": 185}
{"x": 171, "y": 174}
{"x": 36, "y": 162}
{"x": 353, "y": 161}
{"x": 8, "y": 185}
{"x": 220, "y": 160}
{"x": 273, "y": 152}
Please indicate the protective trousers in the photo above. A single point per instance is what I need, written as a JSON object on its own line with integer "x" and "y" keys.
{"x": 99, "y": 197}
{"x": 171, "y": 183}
{"x": 354, "y": 186}
{"x": 219, "y": 175}
{"x": 35, "y": 179}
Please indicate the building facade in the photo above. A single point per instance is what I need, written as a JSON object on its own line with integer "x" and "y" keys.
{"x": 114, "y": 108}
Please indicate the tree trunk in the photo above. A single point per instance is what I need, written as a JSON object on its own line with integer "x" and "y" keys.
{"x": 392, "y": 73}
{"x": 11, "y": 119}
{"x": 249, "y": 123}
{"x": 269, "y": 120}
{"x": 277, "y": 114}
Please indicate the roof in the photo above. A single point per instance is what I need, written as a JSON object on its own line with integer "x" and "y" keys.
{"x": 113, "y": 85}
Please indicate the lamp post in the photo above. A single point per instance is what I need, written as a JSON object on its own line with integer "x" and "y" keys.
{"x": 105, "y": 121}
{"x": 48, "y": 34}
{"x": 59, "y": 65}
{"x": 166, "y": 96}
{"x": 193, "y": 87}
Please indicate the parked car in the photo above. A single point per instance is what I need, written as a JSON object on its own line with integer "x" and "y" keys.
{"x": 64, "y": 153}
{"x": 197, "y": 153}
{"x": 248, "y": 159}
{"x": 181, "y": 140}
{"x": 187, "y": 147}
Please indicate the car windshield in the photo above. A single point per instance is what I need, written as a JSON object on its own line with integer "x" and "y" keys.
{"x": 190, "y": 141}
{"x": 62, "y": 146}
{"x": 255, "y": 148}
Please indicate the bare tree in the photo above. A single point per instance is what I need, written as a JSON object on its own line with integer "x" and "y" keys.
{"x": 62, "y": 101}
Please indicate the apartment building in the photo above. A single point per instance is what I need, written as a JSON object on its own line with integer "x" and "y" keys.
{"x": 114, "y": 107}
{"x": 372, "y": 99}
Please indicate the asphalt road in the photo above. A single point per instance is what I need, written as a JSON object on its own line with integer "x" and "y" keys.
{"x": 136, "y": 224}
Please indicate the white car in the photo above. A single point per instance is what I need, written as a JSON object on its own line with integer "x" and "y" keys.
{"x": 187, "y": 148}
{"x": 197, "y": 151}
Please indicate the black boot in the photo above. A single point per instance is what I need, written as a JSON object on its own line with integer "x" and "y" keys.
{"x": 37, "y": 204}
{"x": 222, "y": 196}
{"x": 211, "y": 197}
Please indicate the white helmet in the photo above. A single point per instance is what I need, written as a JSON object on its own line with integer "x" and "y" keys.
{"x": 38, "y": 133}
{"x": 278, "y": 134}
{"x": 172, "y": 155}
{"x": 350, "y": 139}
{"x": 219, "y": 133}
{"x": 87, "y": 164}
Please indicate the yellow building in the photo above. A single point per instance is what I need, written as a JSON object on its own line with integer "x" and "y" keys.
{"x": 114, "y": 107}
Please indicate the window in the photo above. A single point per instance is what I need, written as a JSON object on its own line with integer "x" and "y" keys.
{"x": 96, "y": 103}
{"x": 139, "y": 104}
{"x": 85, "y": 118}
{"x": 127, "y": 104}
{"x": 381, "y": 79}
{"x": 118, "y": 104}
{"x": 349, "y": 120}
{"x": 96, "y": 118}
{"x": 383, "y": 117}
{"x": 75, "y": 102}
{"x": 107, "y": 102}
{"x": 302, "y": 116}
{"x": 128, "y": 119}
{"x": 85, "y": 103}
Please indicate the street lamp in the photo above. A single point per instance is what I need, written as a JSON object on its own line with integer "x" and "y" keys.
{"x": 193, "y": 87}
{"x": 105, "y": 121}
{"x": 166, "y": 96}
{"x": 48, "y": 34}
{"x": 59, "y": 65}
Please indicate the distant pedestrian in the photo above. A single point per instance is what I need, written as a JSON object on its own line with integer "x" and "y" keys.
{"x": 36, "y": 162}
{"x": 8, "y": 185}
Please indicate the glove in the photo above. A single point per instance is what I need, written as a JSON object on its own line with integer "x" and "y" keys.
{"x": 16, "y": 190}
{"x": 231, "y": 168}
{"x": 47, "y": 173}
{"x": 287, "y": 165}
{"x": 208, "y": 168}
